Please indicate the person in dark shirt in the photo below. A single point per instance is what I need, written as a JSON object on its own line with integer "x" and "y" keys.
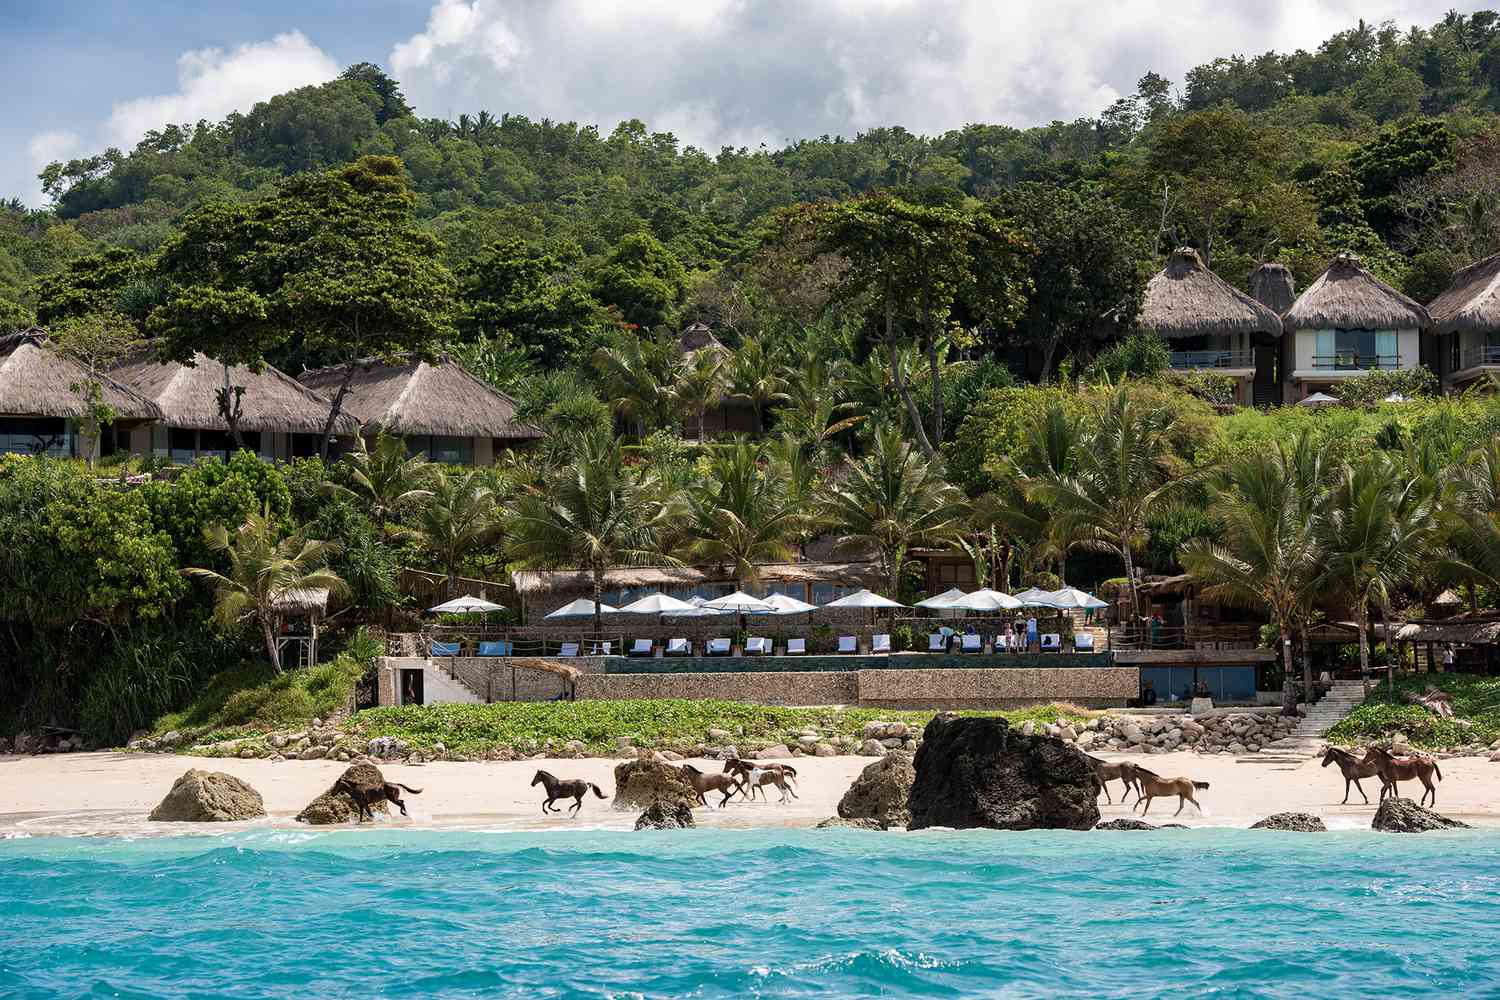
{"x": 1148, "y": 697}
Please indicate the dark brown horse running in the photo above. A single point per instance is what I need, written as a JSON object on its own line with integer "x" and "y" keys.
{"x": 726, "y": 784}
{"x": 1154, "y": 784}
{"x": 1393, "y": 769}
{"x": 564, "y": 788}
{"x": 1107, "y": 772}
{"x": 1353, "y": 768}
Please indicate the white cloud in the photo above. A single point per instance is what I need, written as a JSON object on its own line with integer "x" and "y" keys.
{"x": 722, "y": 71}
{"x": 42, "y": 149}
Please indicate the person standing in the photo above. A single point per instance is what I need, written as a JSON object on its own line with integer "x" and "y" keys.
{"x": 1448, "y": 658}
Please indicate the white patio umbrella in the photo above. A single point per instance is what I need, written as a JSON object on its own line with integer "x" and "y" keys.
{"x": 943, "y": 601}
{"x": 1397, "y": 397}
{"x": 1318, "y": 400}
{"x": 781, "y": 604}
{"x": 657, "y": 604}
{"x": 986, "y": 600}
{"x": 466, "y": 606}
{"x": 1035, "y": 597}
{"x": 739, "y": 601}
{"x": 864, "y": 599}
{"x": 581, "y": 608}
{"x": 1072, "y": 597}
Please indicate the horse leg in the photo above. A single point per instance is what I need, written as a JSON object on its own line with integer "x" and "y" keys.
{"x": 577, "y": 803}
{"x": 1104, "y": 787}
{"x": 1181, "y": 804}
{"x": 1148, "y": 804}
{"x": 1431, "y": 790}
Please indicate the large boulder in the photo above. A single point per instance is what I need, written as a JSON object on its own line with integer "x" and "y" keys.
{"x": 639, "y": 783}
{"x": 1126, "y": 824}
{"x": 661, "y": 815}
{"x": 840, "y": 823}
{"x": 976, "y": 772}
{"x": 1294, "y": 822}
{"x": 336, "y": 805}
{"x": 1405, "y": 816}
{"x": 209, "y": 797}
{"x": 880, "y": 792}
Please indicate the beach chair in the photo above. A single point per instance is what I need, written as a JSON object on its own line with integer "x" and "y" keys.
{"x": 937, "y": 642}
{"x": 445, "y": 649}
{"x": 641, "y": 647}
{"x": 1083, "y": 642}
{"x": 1051, "y": 643}
{"x": 679, "y": 647}
{"x": 568, "y": 649}
{"x": 880, "y": 644}
{"x": 971, "y": 643}
{"x": 757, "y": 645}
{"x": 718, "y": 647}
{"x": 597, "y": 648}
{"x": 796, "y": 647}
{"x": 494, "y": 647}
{"x": 848, "y": 644}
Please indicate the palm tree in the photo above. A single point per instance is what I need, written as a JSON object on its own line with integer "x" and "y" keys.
{"x": 384, "y": 478}
{"x": 1022, "y": 525}
{"x": 638, "y": 375}
{"x": 461, "y": 517}
{"x": 699, "y": 387}
{"x": 742, "y": 514}
{"x": 1470, "y": 518}
{"x": 816, "y": 411}
{"x": 263, "y": 565}
{"x": 1269, "y": 556}
{"x": 757, "y": 376}
{"x": 892, "y": 499}
{"x": 1378, "y": 530}
{"x": 594, "y": 514}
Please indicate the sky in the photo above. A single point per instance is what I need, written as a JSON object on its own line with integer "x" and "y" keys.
{"x": 82, "y": 75}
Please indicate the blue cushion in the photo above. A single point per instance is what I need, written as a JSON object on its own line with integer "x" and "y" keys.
{"x": 445, "y": 649}
{"x": 496, "y": 648}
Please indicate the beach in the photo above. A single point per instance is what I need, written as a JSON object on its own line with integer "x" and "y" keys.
{"x": 110, "y": 793}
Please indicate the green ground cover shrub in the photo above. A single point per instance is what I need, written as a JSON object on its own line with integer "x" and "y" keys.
{"x": 1476, "y": 700}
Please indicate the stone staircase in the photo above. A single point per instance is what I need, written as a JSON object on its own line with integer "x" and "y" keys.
{"x": 1307, "y": 738}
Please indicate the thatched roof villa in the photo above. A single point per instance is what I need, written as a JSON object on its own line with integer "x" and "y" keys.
{"x": 731, "y": 415}
{"x": 1467, "y": 319}
{"x": 1210, "y": 323}
{"x": 443, "y": 411}
{"x": 37, "y": 401}
{"x": 1273, "y": 286}
{"x": 1346, "y": 323}
{"x": 280, "y": 417}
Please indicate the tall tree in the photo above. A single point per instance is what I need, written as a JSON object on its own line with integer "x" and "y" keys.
{"x": 757, "y": 375}
{"x": 382, "y": 478}
{"x": 638, "y": 374}
{"x": 460, "y": 517}
{"x": 96, "y": 342}
{"x": 699, "y": 386}
{"x": 742, "y": 513}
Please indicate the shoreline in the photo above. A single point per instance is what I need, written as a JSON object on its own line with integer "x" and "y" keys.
{"x": 110, "y": 793}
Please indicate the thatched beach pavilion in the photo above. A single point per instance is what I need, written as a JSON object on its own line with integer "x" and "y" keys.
{"x": 1210, "y": 324}
{"x": 39, "y": 408}
{"x": 1346, "y": 323}
{"x": 279, "y": 417}
{"x": 441, "y": 410}
{"x": 1466, "y": 318}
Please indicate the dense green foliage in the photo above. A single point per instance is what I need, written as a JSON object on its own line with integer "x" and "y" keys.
{"x": 253, "y": 699}
{"x": 1476, "y": 700}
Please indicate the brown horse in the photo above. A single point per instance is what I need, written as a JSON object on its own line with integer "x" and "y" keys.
{"x": 1393, "y": 769}
{"x": 722, "y": 783}
{"x": 742, "y": 769}
{"x": 1107, "y": 772}
{"x": 564, "y": 788}
{"x": 1154, "y": 784}
{"x": 1353, "y": 769}
{"x": 758, "y": 777}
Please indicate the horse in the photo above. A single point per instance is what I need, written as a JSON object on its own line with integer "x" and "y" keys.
{"x": 723, "y": 783}
{"x": 365, "y": 796}
{"x": 1353, "y": 769}
{"x": 562, "y": 788}
{"x": 742, "y": 770}
{"x": 1393, "y": 769}
{"x": 1107, "y": 772}
{"x": 1154, "y": 784}
{"x": 761, "y": 776}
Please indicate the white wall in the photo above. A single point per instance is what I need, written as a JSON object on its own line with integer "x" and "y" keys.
{"x": 438, "y": 687}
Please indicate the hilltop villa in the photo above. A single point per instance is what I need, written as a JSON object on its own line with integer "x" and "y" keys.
{"x": 1467, "y": 319}
{"x": 39, "y": 407}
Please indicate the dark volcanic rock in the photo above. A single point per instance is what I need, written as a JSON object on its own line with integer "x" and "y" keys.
{"x": 639, "y": 783}
{"x": 659, "y": 815}
{"x": 839, "y": 822}
{"x": 336, "y": 806}
{"x": 1294, "y": 822}
{"x": 880, "y": 792}
{"x": 208, "y": 797}
{"x": 1127, "y": 824}
{"x": 978, "y": 772}
{"x": 1405, "y": 816}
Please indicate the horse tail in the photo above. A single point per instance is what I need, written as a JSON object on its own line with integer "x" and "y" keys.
{"x": 414, "y": 791}
{"x": 596, "y": 790}
{"x": 1437, "y": 770}
{"x": 1200, "y": 784}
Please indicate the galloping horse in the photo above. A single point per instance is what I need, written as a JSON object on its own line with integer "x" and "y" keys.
{"x": 770, "y": 775}
{"x": 744, "y": 772}
{"x": 1154, "y": 784}
{"x": 1353, "y": 769}
{"x": 723, "y": 783}
{"x": 1393, "y": 769}
{"x": 1107, "y": 772}
{"x": 562, "y": 788}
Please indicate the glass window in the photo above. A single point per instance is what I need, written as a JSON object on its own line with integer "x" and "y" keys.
{"x": 823, "y": 593}
{"x": 35, "y": 436}
{"x": 451, "y": 450}
{"x": 221, "y": 444}
{"x": 182, "y": 443}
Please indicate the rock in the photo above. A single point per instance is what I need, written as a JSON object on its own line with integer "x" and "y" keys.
{"x": 1495, "y": 757}
{"x": 276, "y": 740}
{"x": 839, "y": 822}
{"x": 659, "y": 815}
{"x": 438, "y": 750}
{"x": 170, "y": 739}
{"x": 209, "y": 797}
{"x": 825, "y": 750}
{"x": 575, "y": 747}
{"x": 5, "y": 745}
{"x": 719, "y": 735}
{"x": 976, "y": 772}
{"x": 773, "y": 752}
{"x": 626, "y": 742}
{"x": 336, "y": 806}
{"x": 880, "y": 792}
{"x": 1028, "y": 728}
{"x": 1405, "y": 816}
{"x": 1067, "y": 732}
{"x": 1127, "y": 824}
{"x": 313, "y": 753}
{"x": 1236, "y": 748}
{"x": 1294, "y": 822}
{"x": 871, "y": 748}
{"x": 671, "y": 755}
{"x": 730, "y": 752}
{"x": 1132, "y": 733}
{"x": 638, "y": 783}
{"x": 893, "y": 743}
{"x": 247, "y": 752}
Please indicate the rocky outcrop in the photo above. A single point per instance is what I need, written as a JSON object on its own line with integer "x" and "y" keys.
{"x": 336, "y": 806}
{"x": 840, "y": 823}
{"x": 661, "y": 815}
{"x": 209, "y": 797}
{"x": 1211, "y": 732}
{"x": 977, "y": 772}
{"x": 1405, "y": 816}
{"x": 1293, "y": 822}
{"x": 639, "y": 783}
{"x": 1126, "y": 824}
{"x": 880, "y": 792}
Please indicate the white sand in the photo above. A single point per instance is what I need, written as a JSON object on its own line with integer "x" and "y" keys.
{"x": 110, "y": 793}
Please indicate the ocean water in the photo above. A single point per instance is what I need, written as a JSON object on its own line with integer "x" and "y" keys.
{"x": 772, "y": 913}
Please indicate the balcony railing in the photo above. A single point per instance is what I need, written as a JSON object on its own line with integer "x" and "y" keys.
{"x": 1356, "y": 362}
{"x": 1476, "y": 356}
{"x": 1213, "y": 359}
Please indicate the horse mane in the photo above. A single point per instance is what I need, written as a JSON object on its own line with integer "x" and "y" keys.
{"x": 1147, "y": 772}
{"x": 543, "y": 774}
{"x": 691, "y": 769}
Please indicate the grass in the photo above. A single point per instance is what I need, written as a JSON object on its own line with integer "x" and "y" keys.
{"x": 252, "y": 699}
{"x": 662, "y": 724}
{"x": 1476, "y": 699}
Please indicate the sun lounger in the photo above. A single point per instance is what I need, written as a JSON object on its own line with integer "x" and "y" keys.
{"x": 848, "y": 644}
{"x": 1051, "y": 643}
{"x": 1083, "y": 642}
{"x": 970, "y": 643}
{"x": 757, "y": 645}
{"x": 880, "y": 644}
{"x": 641, "y": 647}
{"x": 796, "y": 647}
{"x": 718, "y": 647}
{"x": 600, "y": 648}
{"x": 679, "y": 647}
{"x": 445, "y": 649}
{"x": 495, "y": 647}
{"x": 568, "y": 649}
{"x": 937, "y": 643}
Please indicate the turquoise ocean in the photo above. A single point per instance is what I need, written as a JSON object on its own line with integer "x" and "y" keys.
{"x": 763, "y": 913}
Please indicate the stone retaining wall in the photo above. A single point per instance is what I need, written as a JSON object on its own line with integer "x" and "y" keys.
{"x": 1089, "y": 687}
{"x": 825, "y": 688}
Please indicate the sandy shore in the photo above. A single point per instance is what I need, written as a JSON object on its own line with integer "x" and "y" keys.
{"x": 111, "y": 793}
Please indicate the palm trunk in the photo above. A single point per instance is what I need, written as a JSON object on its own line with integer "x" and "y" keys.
{"x": 598, "y": 594}
{"x": 702, "y": 423}
{"x": 1307, "y": 677}
{"x": 271, "y": 650}
{"x": 1288, "y": 693}
{"x": 1135, "y": 597}
{"x": 1362, "y": 613}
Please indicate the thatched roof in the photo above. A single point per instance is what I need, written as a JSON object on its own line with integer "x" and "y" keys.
{"x": 697, "y": 337}
{"x": 301, "y": 601}
{"x": 36, "y": 381}
{"x": 1472, "y": 631}
{"x": 273, "y": 401}
{"x": 1472, "y": 302}
{"x": 420, "y": 397}
{"x": 1347, "y": 297}
{"x": 530, "y": 582}
{"x": 1186, "y": 299}
{"x": 1273, "y": 286}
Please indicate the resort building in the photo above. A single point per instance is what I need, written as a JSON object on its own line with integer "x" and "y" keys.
{"x": 1213, "y": 326}
{"x": 279, "y": 417}
{"x": 441, "y": 410}
{"x": 1466, "y": 319}
{"x": 731, "y": 415}
{"x": 1349, "y": 322}
{"x": 39, "y": 407}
